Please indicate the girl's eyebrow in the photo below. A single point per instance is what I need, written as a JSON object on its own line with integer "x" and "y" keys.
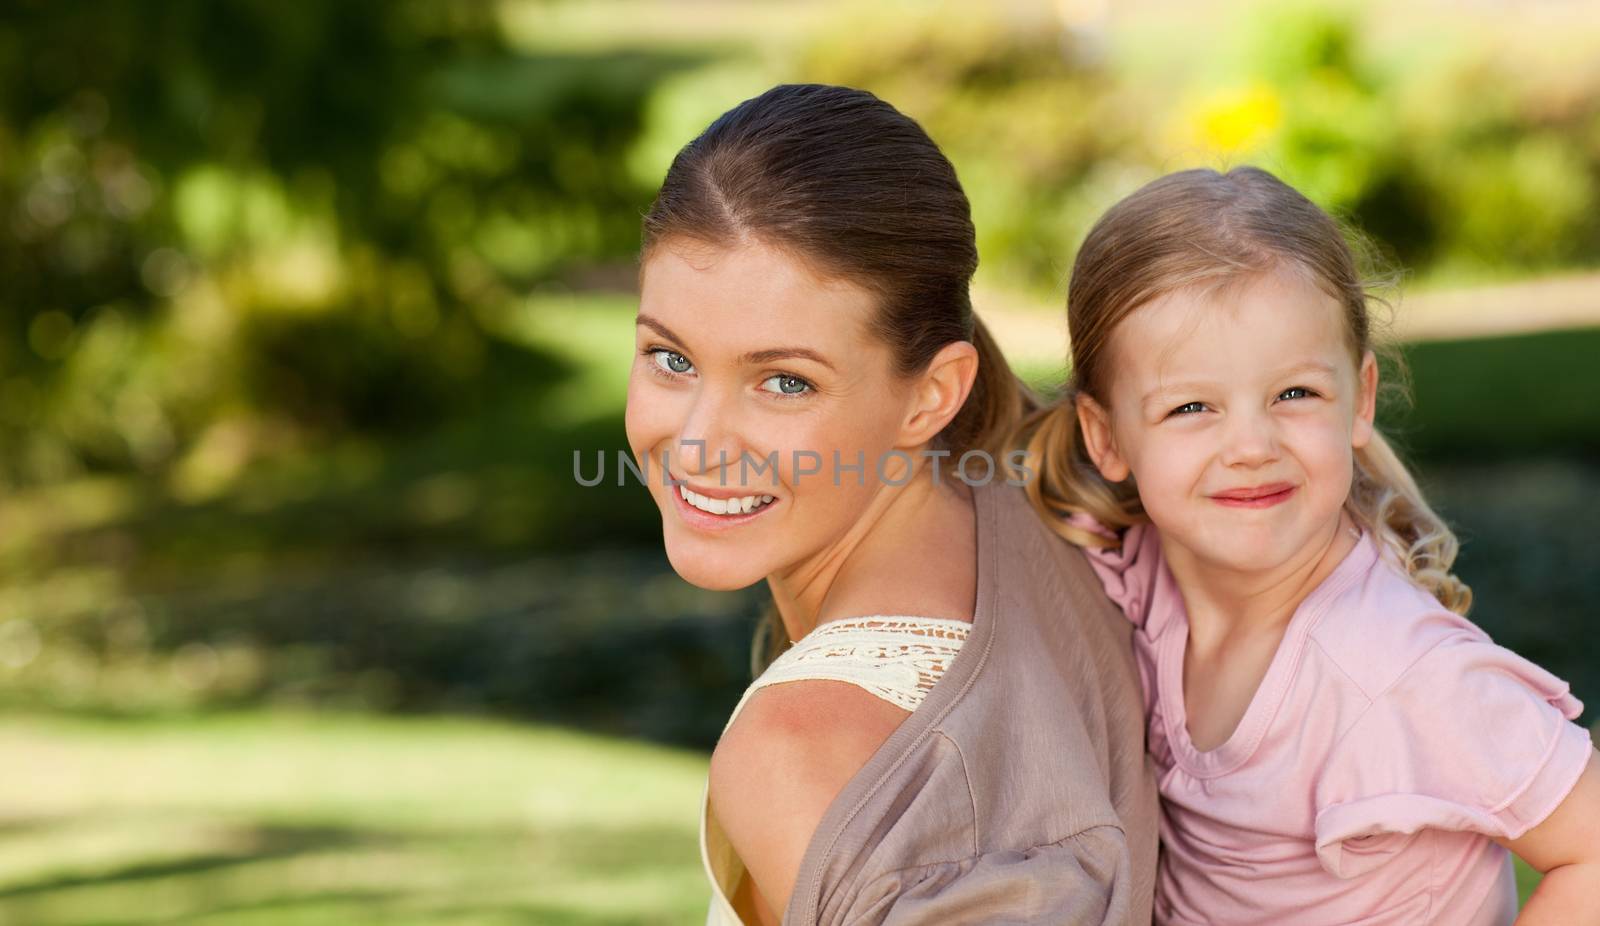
{"x": 1309, "y": 366}
{"x": 1298, "y": 369}
{"x": 1166, "y": 390}
{"x": 753, "y": 357}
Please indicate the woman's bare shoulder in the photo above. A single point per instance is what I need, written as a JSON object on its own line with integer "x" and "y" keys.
{"x": 776, "y": 770}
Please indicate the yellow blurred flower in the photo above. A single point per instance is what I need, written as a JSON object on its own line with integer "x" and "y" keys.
{"x": 1238, "y": 118}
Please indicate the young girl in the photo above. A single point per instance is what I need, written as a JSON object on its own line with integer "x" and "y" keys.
{"x": 1336, "y": 743}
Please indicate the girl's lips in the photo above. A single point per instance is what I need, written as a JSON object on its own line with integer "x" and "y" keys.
{"x": 706, "y": 521}
{"x": 1257, "y": 497}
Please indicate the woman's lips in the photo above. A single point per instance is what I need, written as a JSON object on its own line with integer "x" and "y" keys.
{"x": 1256, "y": 496}
{"x": 706, "y": 521}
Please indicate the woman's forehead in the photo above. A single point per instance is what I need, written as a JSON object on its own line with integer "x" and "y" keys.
{"x": 751, "y": 293}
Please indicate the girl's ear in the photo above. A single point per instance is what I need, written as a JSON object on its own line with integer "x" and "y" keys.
{"x": 1099, "y": 442}
{"x": 1366, "y": 401}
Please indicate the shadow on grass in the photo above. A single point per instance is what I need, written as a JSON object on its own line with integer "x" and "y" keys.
{"x": 553, "y": 874}
{"x": 270, "y": 842}
{"x": 367, "y": 900}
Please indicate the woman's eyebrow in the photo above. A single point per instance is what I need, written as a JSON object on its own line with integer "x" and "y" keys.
{"x": 753, "y": 357}
{"x": 658, "y": 328}
{"x": 784, "y": 353}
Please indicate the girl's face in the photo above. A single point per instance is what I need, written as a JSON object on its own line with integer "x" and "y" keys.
{"x": 1237, "y": 412}
{"x": 773, "y": 370}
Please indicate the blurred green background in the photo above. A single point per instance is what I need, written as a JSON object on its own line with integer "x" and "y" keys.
{"x": 307, "y": 307}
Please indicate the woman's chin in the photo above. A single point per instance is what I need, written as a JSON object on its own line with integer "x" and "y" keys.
{"x": 711, "y": 571}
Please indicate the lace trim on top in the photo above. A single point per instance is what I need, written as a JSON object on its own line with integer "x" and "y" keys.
{"x": 895, "y": 658}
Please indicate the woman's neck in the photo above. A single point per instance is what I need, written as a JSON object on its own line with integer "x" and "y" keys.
{"x": 804, "y": 592}
{"x": 1221, "y": 601}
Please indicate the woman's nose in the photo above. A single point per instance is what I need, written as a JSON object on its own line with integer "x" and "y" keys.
{"x": 707, "y": 442}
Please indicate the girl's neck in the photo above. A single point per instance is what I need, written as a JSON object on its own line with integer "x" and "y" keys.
{"x": 1222, "y": 602}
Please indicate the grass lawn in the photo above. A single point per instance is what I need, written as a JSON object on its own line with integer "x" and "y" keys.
{"x": 295, "y": 818}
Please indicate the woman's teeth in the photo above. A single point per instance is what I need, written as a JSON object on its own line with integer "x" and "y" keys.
{"x": 741, "y": 505}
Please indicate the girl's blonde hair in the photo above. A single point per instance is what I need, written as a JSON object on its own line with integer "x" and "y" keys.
{"x": 1201, "y": 228}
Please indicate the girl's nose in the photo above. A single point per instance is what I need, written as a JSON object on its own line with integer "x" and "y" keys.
{"x": 1250, "y": 441}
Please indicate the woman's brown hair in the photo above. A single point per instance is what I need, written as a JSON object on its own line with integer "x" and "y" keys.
{"x": 1201, "y": 228}
{"x": 859, "y": 192}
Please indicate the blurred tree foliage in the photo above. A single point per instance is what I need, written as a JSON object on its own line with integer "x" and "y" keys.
{"x": 285, "y": 218}
{"x": 239, "y": 224}
{"x": 1456, "y": 158}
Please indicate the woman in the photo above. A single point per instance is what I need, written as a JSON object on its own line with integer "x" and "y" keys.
{"x": 955, "y": 734}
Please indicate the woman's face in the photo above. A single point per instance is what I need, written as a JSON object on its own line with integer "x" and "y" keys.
{"x": 751, "y": 376}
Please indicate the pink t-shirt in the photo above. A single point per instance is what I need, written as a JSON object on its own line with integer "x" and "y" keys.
{"x": 1389, "y": 740}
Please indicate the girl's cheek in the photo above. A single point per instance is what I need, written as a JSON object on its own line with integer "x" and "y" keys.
{"x": 1160, "y": 474}
{"x": 1184, "y": 446}
{"x": 1326, "y": 433}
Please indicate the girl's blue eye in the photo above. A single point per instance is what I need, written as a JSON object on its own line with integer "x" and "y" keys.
{"x": 788, "y": 385}
{"x": 671, "y": 361}
{"x": 1188, "y": 408}
{"x": 1304, "y": 393}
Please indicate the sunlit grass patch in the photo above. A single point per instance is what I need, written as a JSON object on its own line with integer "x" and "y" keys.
{"x": 300, "y": 818}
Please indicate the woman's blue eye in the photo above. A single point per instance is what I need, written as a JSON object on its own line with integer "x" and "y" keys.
{"x": 1188, "y": 408}
{"x": 788, "y": 385}
{"x": 671, "y": 361}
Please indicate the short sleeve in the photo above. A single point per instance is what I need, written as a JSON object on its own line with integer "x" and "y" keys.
{"x": 1471, "y": 737}
{"x": 1083, "y": 880}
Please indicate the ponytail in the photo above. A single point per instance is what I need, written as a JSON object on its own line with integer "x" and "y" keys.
{"x": 1065, "y": 481}
{"x": 1386, "y": 501}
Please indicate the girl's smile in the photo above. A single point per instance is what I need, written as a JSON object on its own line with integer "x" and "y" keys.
{"x": 1257, "y": 497}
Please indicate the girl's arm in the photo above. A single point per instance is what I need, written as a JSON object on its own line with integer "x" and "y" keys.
{"x": 1566, "y": 847}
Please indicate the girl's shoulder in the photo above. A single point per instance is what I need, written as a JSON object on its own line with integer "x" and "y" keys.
{"x": 1379, "y": 627}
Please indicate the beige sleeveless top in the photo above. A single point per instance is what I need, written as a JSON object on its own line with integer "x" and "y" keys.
{"x": 894, "y": 658}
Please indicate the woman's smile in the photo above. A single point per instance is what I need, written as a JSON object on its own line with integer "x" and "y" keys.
{"x": 715, "y": 513}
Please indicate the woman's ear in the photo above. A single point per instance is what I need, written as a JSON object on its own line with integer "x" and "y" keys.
{"x": 1098, "y": 439}
{"x": 939, "y": 393}
{"x": 1366, "y": 401}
